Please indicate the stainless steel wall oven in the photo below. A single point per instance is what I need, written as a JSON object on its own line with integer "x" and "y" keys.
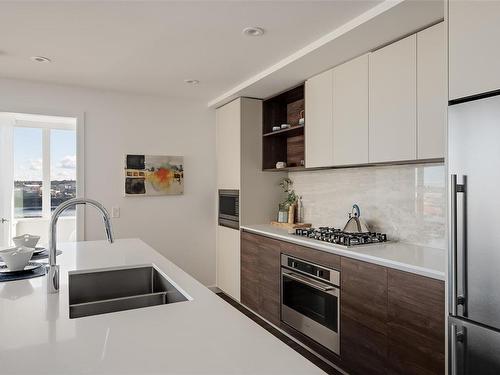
{"x": 310, "y": 300}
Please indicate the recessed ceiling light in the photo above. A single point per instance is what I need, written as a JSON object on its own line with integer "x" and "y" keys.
{"x": 253, "y": 31}
{"x": 191, "y": 81}
{"x": 41, "y": 59}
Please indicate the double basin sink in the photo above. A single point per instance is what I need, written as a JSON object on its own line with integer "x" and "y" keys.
{"x": 106, "y": 291}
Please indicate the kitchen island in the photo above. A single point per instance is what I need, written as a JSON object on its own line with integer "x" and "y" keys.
{"x": 203, "y": 335}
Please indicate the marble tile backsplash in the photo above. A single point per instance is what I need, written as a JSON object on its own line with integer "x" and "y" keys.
{"x": 407, "y": 202}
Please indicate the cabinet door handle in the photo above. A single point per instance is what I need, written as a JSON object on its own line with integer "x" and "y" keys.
{"x": 312, "y": 284}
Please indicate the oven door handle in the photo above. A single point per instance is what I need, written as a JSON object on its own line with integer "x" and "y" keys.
{"x": 307, "y": 281}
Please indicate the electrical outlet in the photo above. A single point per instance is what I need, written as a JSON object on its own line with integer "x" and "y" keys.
{"x": 115, "y": 212}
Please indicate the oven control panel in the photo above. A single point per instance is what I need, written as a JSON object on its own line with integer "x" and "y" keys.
{"x": 310, "y": 269}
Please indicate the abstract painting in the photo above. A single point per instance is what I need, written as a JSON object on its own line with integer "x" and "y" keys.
{"x": 149, "y": 175}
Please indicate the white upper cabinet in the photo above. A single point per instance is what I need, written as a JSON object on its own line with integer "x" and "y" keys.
{"x": 474, "y": 53}
{"x": 318, "y": 120}
{"x": 228, "y": 145}
{"x": 350, "y": 112}
{"x": 431, "y": 92}
{"x": 392, "y": 102}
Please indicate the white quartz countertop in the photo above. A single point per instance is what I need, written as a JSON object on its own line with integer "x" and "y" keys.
{"x": 425, "y": 261}
{"x": 202, "y": 336}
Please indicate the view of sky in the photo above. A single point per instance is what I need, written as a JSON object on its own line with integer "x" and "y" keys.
{"x": 28, "y": 154}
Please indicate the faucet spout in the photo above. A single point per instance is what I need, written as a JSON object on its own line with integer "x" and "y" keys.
{"x": 53, "y": 272}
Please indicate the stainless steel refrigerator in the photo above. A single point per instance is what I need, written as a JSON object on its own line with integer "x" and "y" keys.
{"x": 474, "y": 224}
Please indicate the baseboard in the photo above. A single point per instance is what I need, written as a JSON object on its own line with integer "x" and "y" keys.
{"x": 214, "y": 289}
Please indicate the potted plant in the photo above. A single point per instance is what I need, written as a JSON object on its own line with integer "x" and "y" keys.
{"x": 287, "y": 206}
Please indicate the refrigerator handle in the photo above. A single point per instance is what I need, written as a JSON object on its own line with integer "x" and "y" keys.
{"x": 453, "y": 247}
{"x": 462, "y": 299}
{"x": 456, "y": 339}
{"x": 452, "y": 357}
{"x": 455, "y": 300}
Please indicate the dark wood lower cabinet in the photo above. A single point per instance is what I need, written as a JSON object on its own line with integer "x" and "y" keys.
{"x": 269, "y": 280}
{"x": 260, "y": 276}
{"x": 391, "y": 322}
{"x": 415, "y": 324}
{"x": 363, "y": 350}
{"x": 363, "y": 318}
{"x": 249, "y": 283}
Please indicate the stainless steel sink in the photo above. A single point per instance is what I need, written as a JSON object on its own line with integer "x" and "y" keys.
{"x": 106, "y": 291}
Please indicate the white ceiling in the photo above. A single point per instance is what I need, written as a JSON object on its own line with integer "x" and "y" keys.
{"x": 383, "y": 24}
{"x": 151, "y": 47}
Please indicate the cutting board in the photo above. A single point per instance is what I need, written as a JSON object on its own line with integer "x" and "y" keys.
{"x": 290, "y": 226}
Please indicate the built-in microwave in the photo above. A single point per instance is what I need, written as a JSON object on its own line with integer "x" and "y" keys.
{"x": 229, "y": 208}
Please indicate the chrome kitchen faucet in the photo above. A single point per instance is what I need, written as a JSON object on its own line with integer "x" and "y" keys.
{"x": 53, "y": 272}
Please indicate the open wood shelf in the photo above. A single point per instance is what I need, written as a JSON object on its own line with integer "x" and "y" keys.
{"x": 286, "y": 145}
{"x": 289, "y": 132}
{"x": 286, "y": 169}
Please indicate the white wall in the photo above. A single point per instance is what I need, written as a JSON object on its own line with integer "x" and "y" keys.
{"x": 408, "y": 202}
{"x": 180, "y": 227}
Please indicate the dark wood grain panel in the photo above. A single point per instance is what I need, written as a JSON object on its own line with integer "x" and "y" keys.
{"x": 282, "y": 109}
{"x": 416, "y": 326}
{"x": 269, "y": 279}
{"x": 417, "y": 303}
{"x": 364, "y": 293}
{"x": 363, "y": 351}
{"x": 363, "y": 315}
{"x": 249, "y": 281}
{"x": 274, "y": 149}
{"x": 312, "y": 255}
{"x": 293, "y": 111}
{"x": 410, "y": 353}
{"x": 260, "y": 275}
{"x": 295, "y": 147}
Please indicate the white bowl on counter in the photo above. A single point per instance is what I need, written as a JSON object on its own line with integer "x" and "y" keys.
{"x": 16, "y": 258}
{"x": 26, "y": 240}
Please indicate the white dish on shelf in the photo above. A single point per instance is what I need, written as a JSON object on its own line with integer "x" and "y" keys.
{"x": 16, "y": 258}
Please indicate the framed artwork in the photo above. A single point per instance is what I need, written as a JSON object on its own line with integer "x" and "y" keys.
{"x": 152, "y": 175}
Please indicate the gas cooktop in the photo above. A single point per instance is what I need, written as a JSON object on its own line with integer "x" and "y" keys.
{"x": 338, "y": 237}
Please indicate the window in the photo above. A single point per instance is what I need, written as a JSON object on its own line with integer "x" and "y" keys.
{"x": 62, "y": 168}
{"x": 28, "y": 179}
{"x": 44, "y": 167}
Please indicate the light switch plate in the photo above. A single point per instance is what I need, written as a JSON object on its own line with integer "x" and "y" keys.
{"x": 115, "y": 212}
